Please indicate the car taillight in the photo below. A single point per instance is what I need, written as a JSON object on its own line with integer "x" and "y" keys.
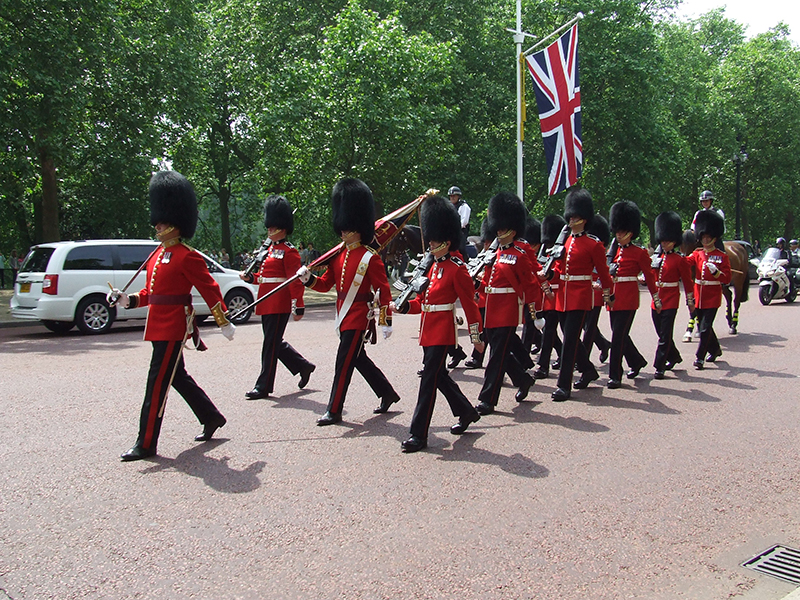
{"x": 50, "y": 285}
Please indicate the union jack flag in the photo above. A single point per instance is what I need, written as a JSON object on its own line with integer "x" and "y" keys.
{"x": 558, "y": 98}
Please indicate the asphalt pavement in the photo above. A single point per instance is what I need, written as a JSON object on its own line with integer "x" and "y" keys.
{"x": 659, "y": 490}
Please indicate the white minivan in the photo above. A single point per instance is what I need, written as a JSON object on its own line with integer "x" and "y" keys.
{"x": 64, "y": 284}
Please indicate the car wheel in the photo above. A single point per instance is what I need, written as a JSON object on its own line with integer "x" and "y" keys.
{"x": 94, "y": 315}
{"x": 59, "y": 327}
{"x": 236, "y": 300}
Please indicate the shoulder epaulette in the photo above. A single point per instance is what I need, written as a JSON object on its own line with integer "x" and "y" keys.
{"x": 288, "y": 243}
{"x": 594, "y": 237}
{"x": 371, "y": 249}
{"x": 457, "y": 260}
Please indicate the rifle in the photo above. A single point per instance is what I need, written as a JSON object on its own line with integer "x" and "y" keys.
{"x": 418, "y": 284}
{"x": 484, "y": 259}
{"x": 556, "y": 252}
{"x": 258, "y": 259}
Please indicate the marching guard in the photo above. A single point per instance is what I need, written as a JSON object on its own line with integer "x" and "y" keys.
{"x": 712, "y": 271}
{"x": 592, "y": 336}
{"x": 550, "y": 228}
{"x": 582, "y": 254}
{"x": 172, "y": 270}
{"x": 279, "y": 261}
{"x": 449, "y": 281}
{"x": 670, "y": 269}
{"x": 509, "y": 288}
{"x": 629, "y": 260}
{"x": 355, "y": 272}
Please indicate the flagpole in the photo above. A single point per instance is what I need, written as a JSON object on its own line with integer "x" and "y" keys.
{"x": 577, "y": 18}
{"x": 519, "y": 37}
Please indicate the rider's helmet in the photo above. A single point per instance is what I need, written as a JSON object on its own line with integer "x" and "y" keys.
{"x": 793, "y": 242}
{"x": 454, "y": 191}
{"x": 780, "y": 243}
{"x": 707, "y": 195}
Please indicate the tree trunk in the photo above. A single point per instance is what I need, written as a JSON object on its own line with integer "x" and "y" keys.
{"x": 225, "y": 221}
{"x": 50, "y": 228}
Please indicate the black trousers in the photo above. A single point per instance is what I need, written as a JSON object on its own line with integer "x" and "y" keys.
{"x": 275, "y": 349}
{"x": 709, "y": 344}
{"x": 167, "y": 357}
{"x": 500, "y": 362}
{"x": 550, "y": 339}
{"x": 591, "y": 332}
{"x": 435, "y": 377}
{"x": 666, "y": 351}
{"x": 572, "y": 352}
{"x": 622, "y": 345}
{"x": 352, "y": 355}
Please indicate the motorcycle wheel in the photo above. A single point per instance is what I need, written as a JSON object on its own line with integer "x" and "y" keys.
{"x": 791, "y": 296}
{"x": 765, "y": 294}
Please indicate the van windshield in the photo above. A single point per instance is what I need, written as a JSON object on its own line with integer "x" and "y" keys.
{"x": 36, "y": 261}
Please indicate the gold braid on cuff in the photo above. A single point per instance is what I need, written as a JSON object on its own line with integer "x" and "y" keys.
{"x": 219, "y": 315}
{"x": 474, "y": 334}
{"x": 383, "y": 319}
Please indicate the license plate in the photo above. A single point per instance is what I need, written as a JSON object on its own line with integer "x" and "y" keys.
{"x": 25, "y": 288}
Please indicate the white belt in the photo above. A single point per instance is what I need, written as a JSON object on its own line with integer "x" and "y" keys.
{"x": 554, "y": 287}
{"x": 706, "y": 282}
{"x": 667, "y": 283}
{"x": 576, "y": 278}
{"x": 625, "y": 279}
{"x": 505, "y": 290}
{"x": 271, "y": 279}
{"x": 437, "y": 307}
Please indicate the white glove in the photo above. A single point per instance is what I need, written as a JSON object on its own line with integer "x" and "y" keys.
{"x": 228, "y": 330}
{"x": 304, "y": 274}
{"x": 387, "y": 331}
{"x": 712, "y": 268}
{"x": 539, "y": 324}
{"x": 115, "y": 297}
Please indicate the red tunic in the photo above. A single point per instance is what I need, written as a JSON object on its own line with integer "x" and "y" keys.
{"x": 341, "y": 272}
{"x": 449, "y": 281}
{"x": 707, "y": 287}
{"x": 281, "y": 263}
{"x": 171, "y": 273}
{"x": 631, "y": 260}
{"x": 673, "y": 270}
{"x": 508, "y": 285}
{"x": 583, "y": 254}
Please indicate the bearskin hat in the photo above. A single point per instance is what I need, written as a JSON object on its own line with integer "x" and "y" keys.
{"x": 506, "y": 211}
{"x": 440, "y": 222}
{"x": 353, "y": 208}
{"x": 598, "y": 227}
{"x": 278, "y": 213}
{"x": 669, "y": 228}
{"x": 709, "y": 222}
{"x": 551, "y": 227}
{"x": 625, "y": 216}
{"x": 172, "y": 200}
{"x": 578, "y": 203}
{"x": 486, "y": 235}
{"x": 533, "y": 231}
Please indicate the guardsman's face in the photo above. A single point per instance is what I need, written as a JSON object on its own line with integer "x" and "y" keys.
{"x": 439, "y": 249}
{"x": 707, "y": 240}
{"x": 667, "y": 246}
{"x": 577, "y": 224}
{"x": 276, "y": 234}
{"x": 350, "y": 237}
{"x": 623, "y": 237}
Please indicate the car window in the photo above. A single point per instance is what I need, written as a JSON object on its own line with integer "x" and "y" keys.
{"x": 36, "y": 261}
{"x": 132, "y": 257}
{"x": 89, "y": 258}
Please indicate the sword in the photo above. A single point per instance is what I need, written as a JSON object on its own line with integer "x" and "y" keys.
{"x": 139, "y": 270}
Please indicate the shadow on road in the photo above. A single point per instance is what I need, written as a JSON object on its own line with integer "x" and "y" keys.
{"x": 214, "y": 472}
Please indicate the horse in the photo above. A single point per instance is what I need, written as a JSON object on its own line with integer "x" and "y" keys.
{"x": 396, "y": 253}
{"x": 740, "y": 281}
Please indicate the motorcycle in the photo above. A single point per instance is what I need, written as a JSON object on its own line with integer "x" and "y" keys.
{"x": 775, "y": 279}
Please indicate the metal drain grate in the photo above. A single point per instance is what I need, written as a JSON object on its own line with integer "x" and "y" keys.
{"x": 779, "y": 561}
